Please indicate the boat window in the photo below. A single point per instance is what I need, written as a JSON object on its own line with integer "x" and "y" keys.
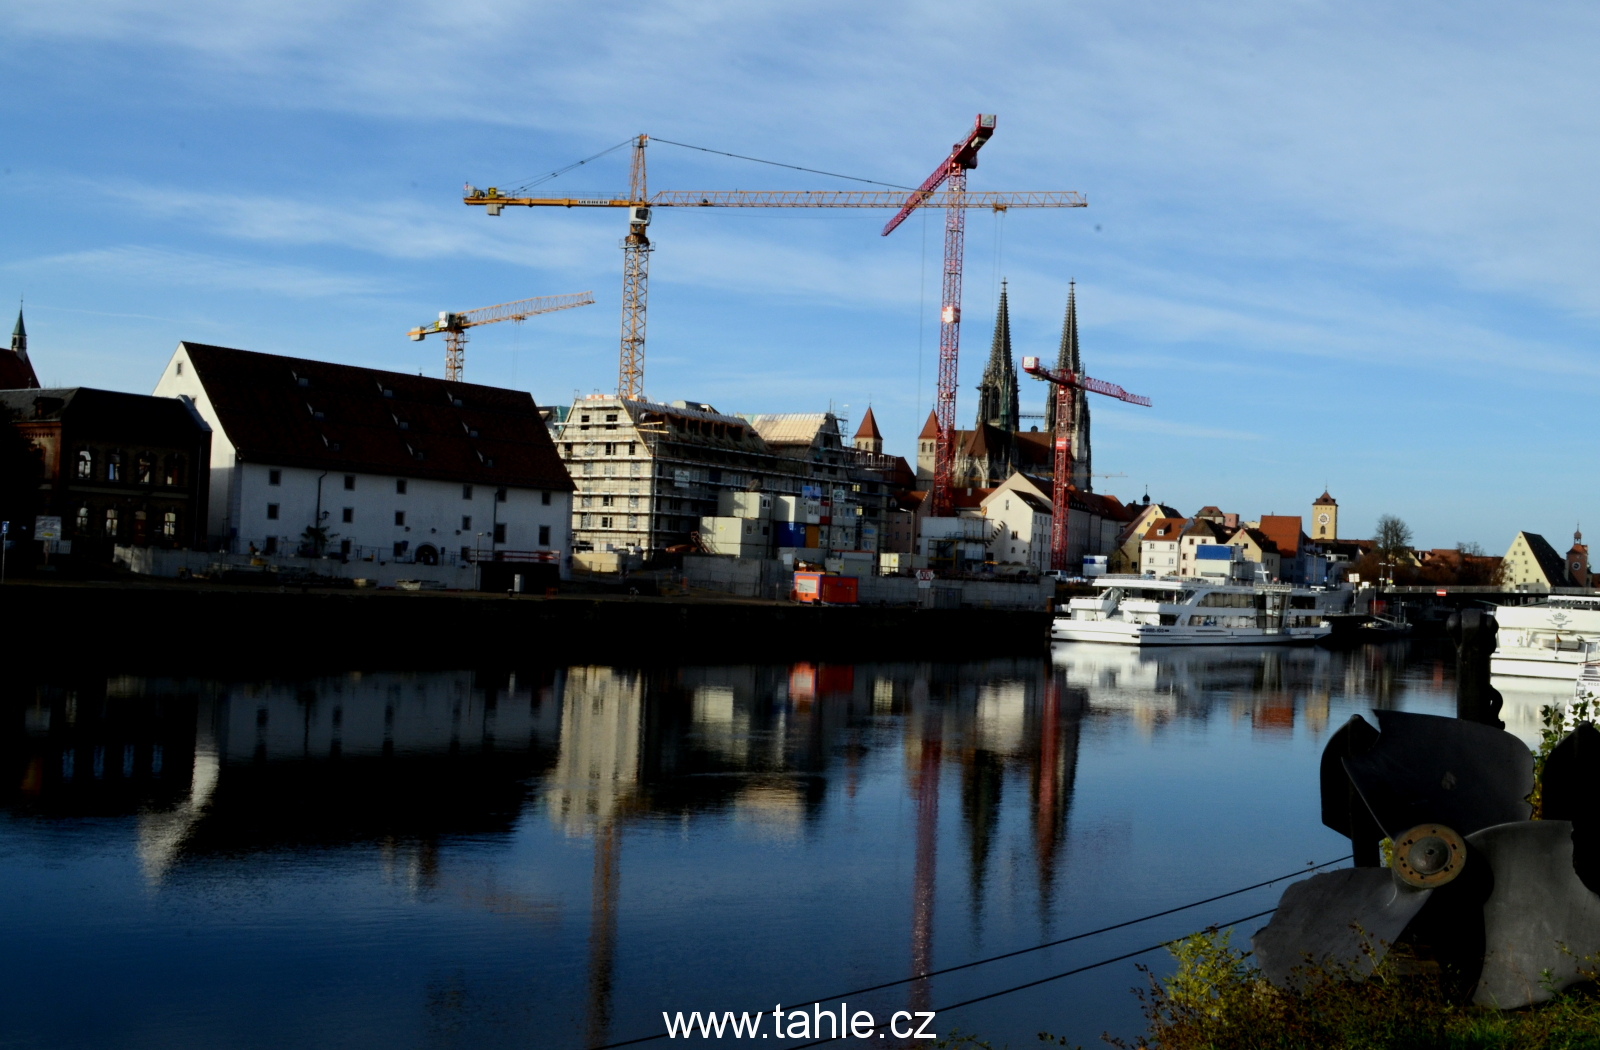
{"x": 1227, "y": 600}
{"x": 1168, "y": 620}
{"x": 1303, "y": 601}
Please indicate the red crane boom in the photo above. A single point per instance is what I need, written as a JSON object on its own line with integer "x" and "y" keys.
{"x": 953, "y": 169}
{"x": 1065, "y": 383}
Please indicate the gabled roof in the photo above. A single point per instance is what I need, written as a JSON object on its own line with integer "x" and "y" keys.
{"x": 1324, "y": 500}
{"x": 930, "y": 429}
{"x": 1165, "y": 529}
{"x": 1285, "y": 532}
{"x": 1205, "y": 527}
{"x": 315, "y": 414}
{"x": 793, "y": 428}
{"x": 869, "y": 426}
{"x": 1256, "y": 536}
{"x": 1551, "y": 564}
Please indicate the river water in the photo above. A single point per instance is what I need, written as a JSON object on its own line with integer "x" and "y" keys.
{"x": 553, "y": 858}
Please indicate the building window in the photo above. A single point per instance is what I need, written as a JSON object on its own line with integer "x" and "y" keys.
{"x": 114, "y": 467}
{"x": 544, "y": 535}
{"x": 500, "y": 532}
{"x": 605, "y": 522}
{"x": 400, "y": 549}
{"x": 81, "y": 525}
{"x": 633, "y": 502}
{"x": 500, "y": 495}
{"x": 272, "y": 512}
{"x": 344, "y": 548}
{"x": 588, "y": 468}
{"x": 400, "y": 486}
{"x": 272, "y": 545}
{"x": 466, "y": 555}
{"x": 274, "y": 477}
{"x": 583, "y": 521}
{"x": 349, "y": 515}
{"x": 544, "y": 497}
{"x": 611, "y": 448}
{"x": 111, "y": 522}
{"x": 145, "y": 469}
{"x": 174, "y": 470}
{"x": 178, "y": 371}
{"x": 85, "y": 464}
{"x": 633, "y": 522}
{"x": 169, "y": 524}
{"x": 586, "y": 501}
{"x": 632, "y": 446}
{"x": 606, "y": 501}
{"x": 349, "y": 482}
{"x": 399, "y": 517}
{"x": 466, "y": 522}
{"x": 466, "y": 492}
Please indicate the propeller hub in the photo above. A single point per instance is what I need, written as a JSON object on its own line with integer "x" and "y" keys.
{"x": 1428, "y": 855}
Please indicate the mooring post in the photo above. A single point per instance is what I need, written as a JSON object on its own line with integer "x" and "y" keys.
{"x": 1474, "y": 631}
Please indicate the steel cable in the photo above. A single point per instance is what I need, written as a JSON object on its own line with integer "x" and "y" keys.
{"x": 1034, "y": 948}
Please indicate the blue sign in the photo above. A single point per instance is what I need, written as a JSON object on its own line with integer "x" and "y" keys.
{"x": 1213, "y": 552}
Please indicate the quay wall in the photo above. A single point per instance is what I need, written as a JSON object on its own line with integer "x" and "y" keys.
{"x": 199, "y": 628}
{"x": 770, "y": 578}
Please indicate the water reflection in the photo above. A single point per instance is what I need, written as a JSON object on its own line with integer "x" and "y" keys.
{"x": 938, "y": 794}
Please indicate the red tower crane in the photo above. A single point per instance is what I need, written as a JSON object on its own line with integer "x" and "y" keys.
{"x": 1065, "y": 383}
{"x": 952, "y": 170}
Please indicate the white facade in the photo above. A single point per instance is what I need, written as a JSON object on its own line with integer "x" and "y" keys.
{"x": 1024, "y": 524}
{"x": 379, "y": 517}
{"x": 389, "y": 518}
{"x": 1159, "y": 556}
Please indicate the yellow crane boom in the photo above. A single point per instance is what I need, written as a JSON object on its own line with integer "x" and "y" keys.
{"x": 639, "y": 201}
{"x": 454, "y": 325}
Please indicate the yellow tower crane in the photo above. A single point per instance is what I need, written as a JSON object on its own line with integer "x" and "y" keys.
{"x": 455, "y": 325}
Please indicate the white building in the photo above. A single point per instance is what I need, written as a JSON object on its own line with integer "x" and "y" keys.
{"x": 391, "y": 467}
{"x": 1024, "y": 523}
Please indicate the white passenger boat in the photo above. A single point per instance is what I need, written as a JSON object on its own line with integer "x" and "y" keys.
{"x": 1552, "y": 639}
{"x": 1172, "y": 610}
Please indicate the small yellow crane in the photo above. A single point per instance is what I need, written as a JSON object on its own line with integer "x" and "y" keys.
{"x": 455, "y": 325}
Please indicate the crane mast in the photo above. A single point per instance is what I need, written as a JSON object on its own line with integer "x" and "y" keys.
{"x": 635, "y": 279}
{"x": 1066, "y": 423}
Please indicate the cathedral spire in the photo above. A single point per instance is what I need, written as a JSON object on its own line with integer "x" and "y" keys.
{"x": 997, "y": 391}
{"x": 1068, "y": 359}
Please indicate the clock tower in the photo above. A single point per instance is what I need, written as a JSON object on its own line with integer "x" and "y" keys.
{"x": 1325, "y": 518}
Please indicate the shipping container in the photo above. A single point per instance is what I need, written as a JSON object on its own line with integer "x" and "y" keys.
{"x": 797, "y": 509}
{"x": 788, "y": 534}
{"x": 825, "y": 589}
{"x": 813, "y": 536}
{"x": 745, "y": 505}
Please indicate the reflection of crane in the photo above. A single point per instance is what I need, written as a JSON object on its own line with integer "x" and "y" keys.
{"x": 1065, "y": 382}
{"x": 636, "y": 246}
{"x": 454, "y": 326}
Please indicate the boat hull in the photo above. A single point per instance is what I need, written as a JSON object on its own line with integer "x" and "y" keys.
{"x": 1537, "y": 663}
{"x": 1065, "y": 629}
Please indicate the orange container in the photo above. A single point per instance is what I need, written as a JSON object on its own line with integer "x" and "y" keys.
{"x": 823, "y": 588}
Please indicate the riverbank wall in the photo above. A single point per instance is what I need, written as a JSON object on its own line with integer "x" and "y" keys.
{"x": 216, "y": 629}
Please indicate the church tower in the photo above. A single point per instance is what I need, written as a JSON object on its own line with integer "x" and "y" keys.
{"x": 1578, "y": 560}
{"x": 1325, "y": 518}
{"x": 868, "y": 437}
{"x": 16, "y": 372}
{"x": 997, "y": 391}
{"x": 1069, "y": 360}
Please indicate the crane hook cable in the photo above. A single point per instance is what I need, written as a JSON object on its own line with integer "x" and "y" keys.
{"x": 1037, "y": 947}
{"x": 780, "y": 164}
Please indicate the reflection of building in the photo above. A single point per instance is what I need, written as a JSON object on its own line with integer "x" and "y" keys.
{"x": 597, "y": 770}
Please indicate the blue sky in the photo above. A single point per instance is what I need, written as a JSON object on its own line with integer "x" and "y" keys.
{"x": 1341, "y": 244}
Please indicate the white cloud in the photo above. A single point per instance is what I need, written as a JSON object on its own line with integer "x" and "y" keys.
{"x": 155, "y": 266}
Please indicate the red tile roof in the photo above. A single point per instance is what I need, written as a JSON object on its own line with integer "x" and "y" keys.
{"x": 1165, "y": 529}
{"x": 300, "y": 413}
{"x": 930, "y": 429}
{"x": 869, "y": 426}
{"x": 1285, "y": 531}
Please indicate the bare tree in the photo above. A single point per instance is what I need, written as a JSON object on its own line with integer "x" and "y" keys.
{"x": 1394, "y": 535}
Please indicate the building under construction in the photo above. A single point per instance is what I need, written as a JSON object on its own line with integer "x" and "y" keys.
{"x": 648, "y": 473}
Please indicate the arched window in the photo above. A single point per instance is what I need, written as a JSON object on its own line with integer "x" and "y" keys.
{"x": 112, "y": 523}
{"x": 146, "y": 473}
{"x": 114, "y": 467}
{"x": 169, "y": 524}
{"x": 81, "y": 523}
{"x": 174, "y": 470}
{"x": 85, "y": 463}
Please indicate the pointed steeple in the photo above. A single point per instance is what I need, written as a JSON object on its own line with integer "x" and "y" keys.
{"x": 18, "y": 373}
{"x": 868, "y": 437}
{"x": 1068, "y": 359}
{"x": 997, "y": 392}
